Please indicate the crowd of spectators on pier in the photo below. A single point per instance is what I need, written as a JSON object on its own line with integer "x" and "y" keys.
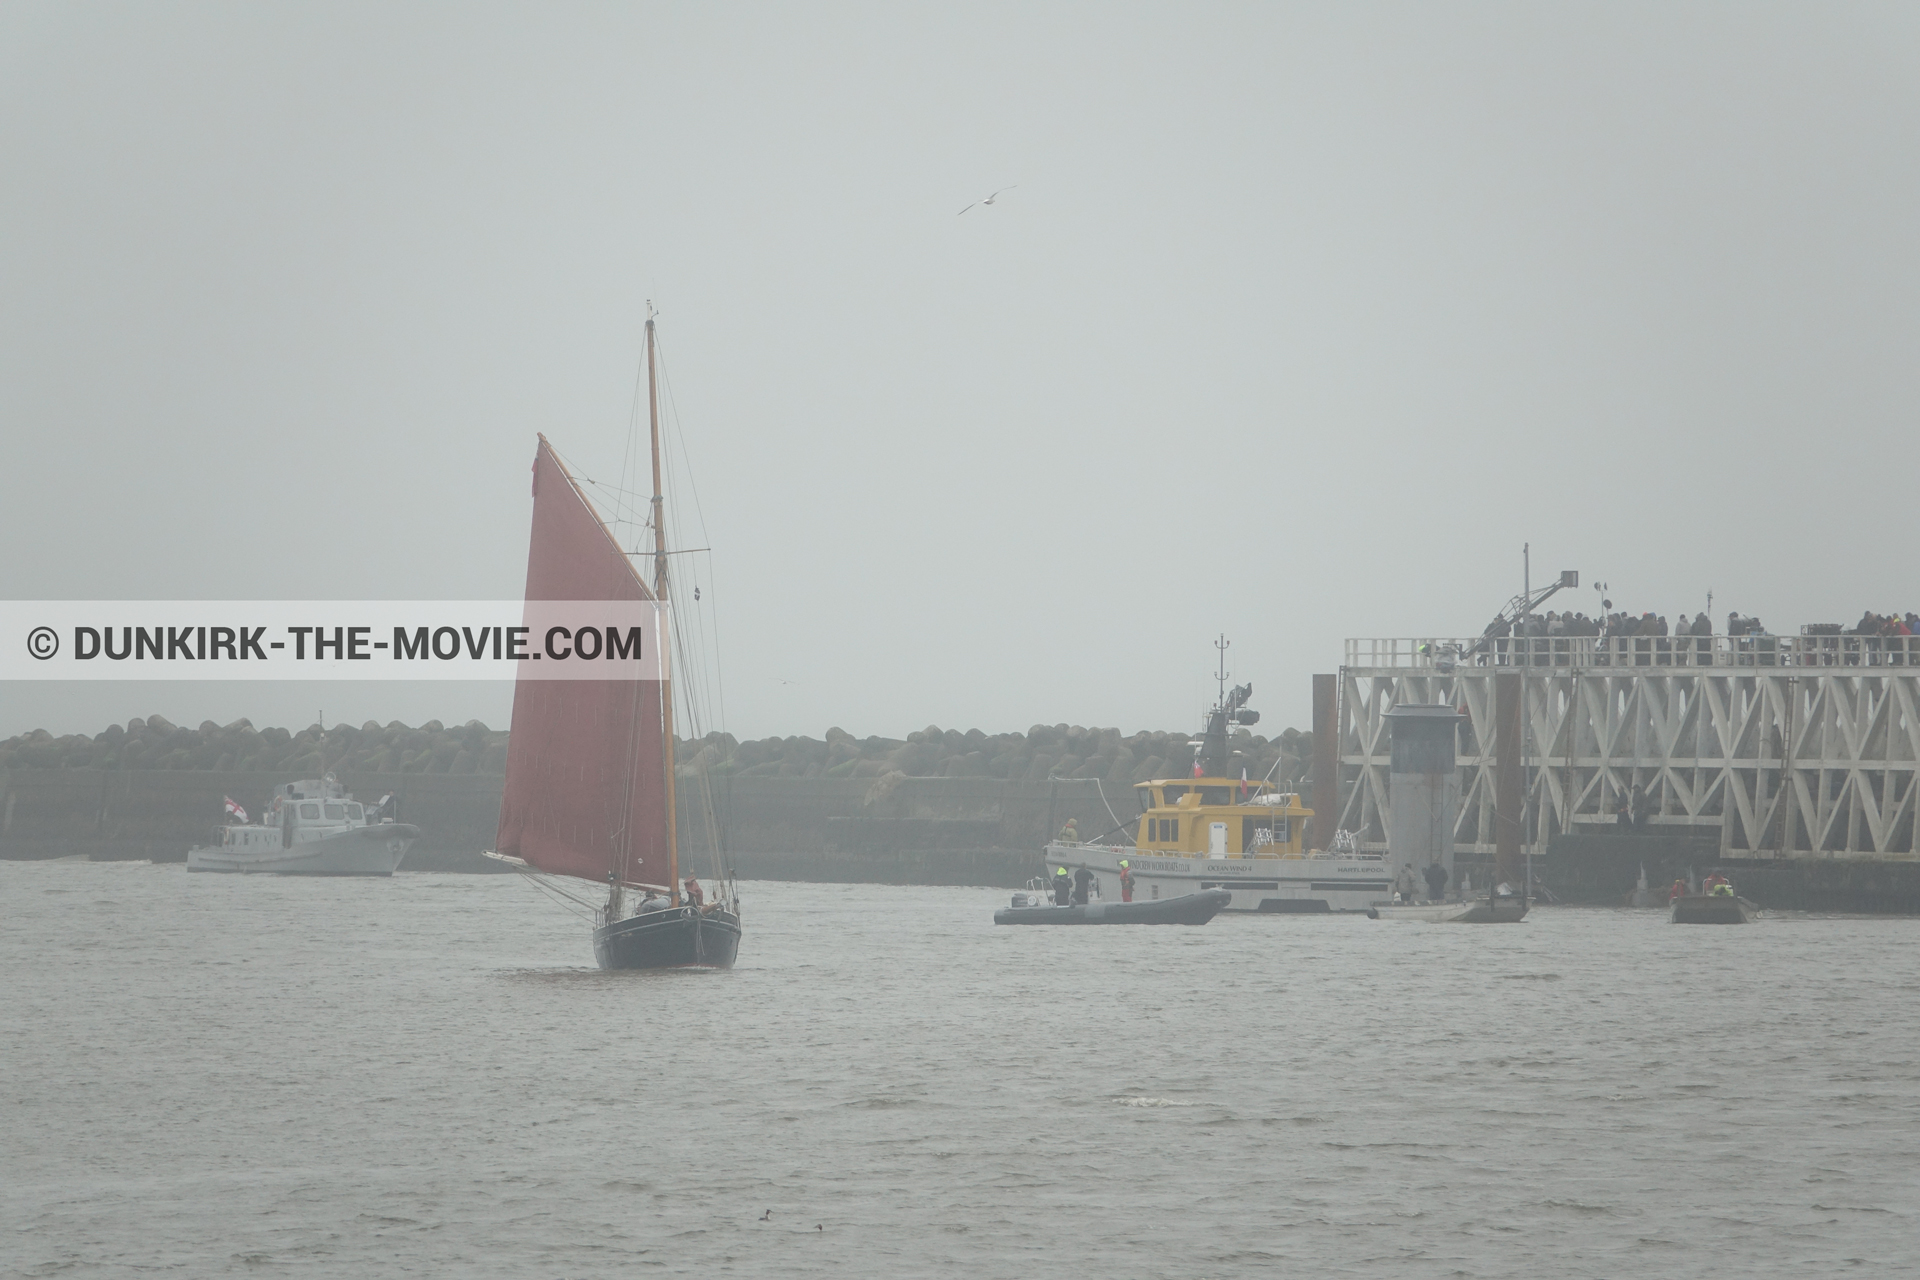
{"x": 1891, "y": 624}
{"x": 1615, "y": 625}
{"x": 1647, "y": 639}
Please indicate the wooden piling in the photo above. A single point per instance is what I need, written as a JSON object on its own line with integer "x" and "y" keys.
{"x": 1508, "y": 778}
{"x": 1326, "y": 762}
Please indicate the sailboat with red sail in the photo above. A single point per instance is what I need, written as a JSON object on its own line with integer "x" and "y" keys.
{"x": 590, "y": 792}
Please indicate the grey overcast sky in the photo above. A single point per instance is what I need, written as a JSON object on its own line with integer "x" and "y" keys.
{"x": 1300, "y": 320}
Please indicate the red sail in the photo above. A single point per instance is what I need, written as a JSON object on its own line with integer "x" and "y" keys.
{"x": 586, "y": 788}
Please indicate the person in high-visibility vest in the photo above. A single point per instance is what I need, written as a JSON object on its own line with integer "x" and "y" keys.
{"x": 1062, "y": 887}
{"x": 1126, "y": 881}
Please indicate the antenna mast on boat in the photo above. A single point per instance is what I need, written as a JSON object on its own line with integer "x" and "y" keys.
{"x": 660, "y": 593}
{"x": 1222, "y": 644}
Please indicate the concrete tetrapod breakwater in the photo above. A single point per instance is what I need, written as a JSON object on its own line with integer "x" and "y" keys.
{"x": 891, "y": 830}
{"x": 1043, "y": 752}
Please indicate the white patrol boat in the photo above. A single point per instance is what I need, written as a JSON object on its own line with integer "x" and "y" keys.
{"x": 312, "y": 828}
{"x": 1211, "y": 831}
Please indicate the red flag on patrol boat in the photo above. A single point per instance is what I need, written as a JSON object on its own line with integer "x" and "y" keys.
{"x": 234, "y": 810}
{"x": 1196, "y": 769}
{"x": 1243, "y": 782}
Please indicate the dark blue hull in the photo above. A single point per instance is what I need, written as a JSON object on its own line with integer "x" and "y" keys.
{"x": 674, "y": 938}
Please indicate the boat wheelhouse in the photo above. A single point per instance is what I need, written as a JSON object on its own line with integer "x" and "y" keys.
{"x": 1219, "y": 818}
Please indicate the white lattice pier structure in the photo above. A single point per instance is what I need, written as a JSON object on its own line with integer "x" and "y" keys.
{"x": 1778, "y": 747}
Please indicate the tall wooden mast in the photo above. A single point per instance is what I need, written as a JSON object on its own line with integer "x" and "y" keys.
{"x": 660, "y": 592}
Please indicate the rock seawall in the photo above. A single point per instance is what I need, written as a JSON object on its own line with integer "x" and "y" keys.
{"x": 893, "y": 829}
{"x": 153, "y": 743}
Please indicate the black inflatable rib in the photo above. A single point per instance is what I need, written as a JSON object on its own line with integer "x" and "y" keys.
{"x": 1192, "y": 908}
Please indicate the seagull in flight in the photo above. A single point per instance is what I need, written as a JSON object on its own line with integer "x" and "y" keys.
{"x": 989, "y": 200}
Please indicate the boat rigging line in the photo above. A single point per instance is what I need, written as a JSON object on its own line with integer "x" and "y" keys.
{"x": 586, "y": 910}
{"x": 678, "y": 438}
{"x": 1104, "y": 803}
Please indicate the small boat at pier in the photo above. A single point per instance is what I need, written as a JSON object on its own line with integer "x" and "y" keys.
{"x": 1495, "y": 908}
{"x": 1710, "y": 908}
{"x": 1190, "y": 908}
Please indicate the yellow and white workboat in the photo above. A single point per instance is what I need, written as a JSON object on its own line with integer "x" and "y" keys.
{"x": 1211, "y": 831}
{"x": 1207, "y": 833}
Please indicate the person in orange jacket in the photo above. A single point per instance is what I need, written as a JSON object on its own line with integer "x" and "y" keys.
{"x": 1126, "y": 881}
{"x": 1679, "y": 890}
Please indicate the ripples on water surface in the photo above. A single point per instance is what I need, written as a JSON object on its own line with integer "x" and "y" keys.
{"x": 211, "y": 1075}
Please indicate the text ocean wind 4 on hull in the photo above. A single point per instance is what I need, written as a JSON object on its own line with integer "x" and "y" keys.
{"x": 588, "y": 809}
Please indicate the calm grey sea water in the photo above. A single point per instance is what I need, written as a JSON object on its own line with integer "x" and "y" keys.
{"x": 209, "y": 1075}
